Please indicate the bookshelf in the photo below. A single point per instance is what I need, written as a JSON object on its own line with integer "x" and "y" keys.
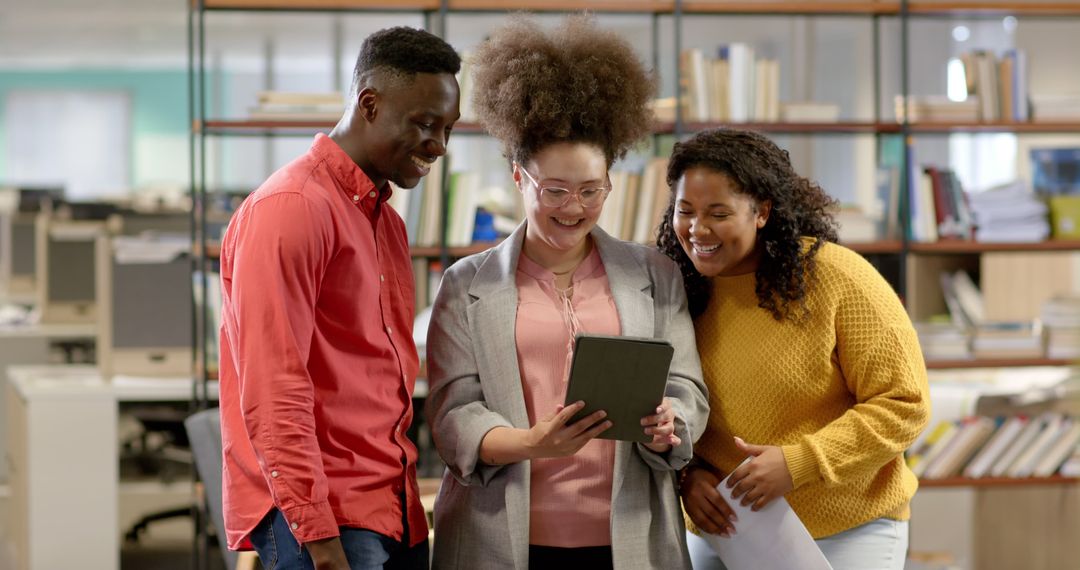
{"x": 911, "y": 266}
{"x": 997, "y": 482}
{"x": 996, "y": 363}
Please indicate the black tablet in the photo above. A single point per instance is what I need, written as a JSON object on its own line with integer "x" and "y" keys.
{"x": 624, "y": 376}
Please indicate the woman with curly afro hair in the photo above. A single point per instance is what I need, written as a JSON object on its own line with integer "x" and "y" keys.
{"x": 813, "y": 367}
{"x": 525, "y": 486}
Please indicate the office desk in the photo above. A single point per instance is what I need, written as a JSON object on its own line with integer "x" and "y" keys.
{"x": 62, "y": 428}
{"x": 32, "y": 344}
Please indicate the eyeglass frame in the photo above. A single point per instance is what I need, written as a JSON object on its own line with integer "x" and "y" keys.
{"x": 569, "y": 193}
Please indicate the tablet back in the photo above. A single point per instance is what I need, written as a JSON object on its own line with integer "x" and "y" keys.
{"x": 624, "y": 376}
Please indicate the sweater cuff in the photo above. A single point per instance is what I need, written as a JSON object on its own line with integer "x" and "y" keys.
{"x": 801, "y": 464}
{"x": 315, "y": 521}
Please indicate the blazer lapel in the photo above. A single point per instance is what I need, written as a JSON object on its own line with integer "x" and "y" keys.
{"x": 492, "y": 320}
{"x": 632, "y": 290}
{"x": 630, "y": 285}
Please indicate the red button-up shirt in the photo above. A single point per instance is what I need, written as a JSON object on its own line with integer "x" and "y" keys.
{"x": 318, "y": 363}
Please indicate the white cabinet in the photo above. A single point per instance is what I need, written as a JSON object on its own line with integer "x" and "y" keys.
{"x": 63, "y": 473}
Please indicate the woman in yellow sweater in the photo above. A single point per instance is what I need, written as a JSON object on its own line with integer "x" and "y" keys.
{"x": 813, "y": 366}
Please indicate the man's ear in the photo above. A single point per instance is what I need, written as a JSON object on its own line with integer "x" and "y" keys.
{"x": 367, "y": 103}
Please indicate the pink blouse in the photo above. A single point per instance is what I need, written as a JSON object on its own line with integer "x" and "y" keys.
{"x": 570, "y": 497}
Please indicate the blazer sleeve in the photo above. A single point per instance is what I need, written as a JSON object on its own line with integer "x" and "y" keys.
{"x": 686, "y": 386}
{"x": 455, "y": 409}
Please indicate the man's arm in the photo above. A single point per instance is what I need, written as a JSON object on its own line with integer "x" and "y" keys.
{"x": 280, "y": 251}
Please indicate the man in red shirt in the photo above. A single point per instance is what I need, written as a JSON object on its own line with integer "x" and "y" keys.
{"x": 317, "y": 359}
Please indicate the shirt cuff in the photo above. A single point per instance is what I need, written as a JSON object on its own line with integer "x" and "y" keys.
{"x": 315, "y": 521}
{"x": 801, "y": 464}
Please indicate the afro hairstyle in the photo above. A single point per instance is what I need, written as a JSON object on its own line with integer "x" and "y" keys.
{"x": 577, "y": 83}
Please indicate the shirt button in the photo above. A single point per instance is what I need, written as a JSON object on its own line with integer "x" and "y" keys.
{"x": 274, "y": 474}
{"x": 294, "y": 526}
{"x": 389, "y": 330}
{"x": 371, "y": 194}
{"x": 382, "y": 278}
{"x": 356, "y": 198}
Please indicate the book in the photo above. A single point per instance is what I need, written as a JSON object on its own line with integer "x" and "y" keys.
{"x": 1060, "y": 450}
{"x": 1071, "y": 467}
{"x": 936, "y": 444}
{"x": 1021, "y": 443}
{"x": 993, "y": 449}
{"x": 1025, "y": 463}
{"x": 973, "y": 434}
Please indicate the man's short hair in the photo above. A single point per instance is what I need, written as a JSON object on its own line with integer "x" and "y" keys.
{"x": 402, "y": 52}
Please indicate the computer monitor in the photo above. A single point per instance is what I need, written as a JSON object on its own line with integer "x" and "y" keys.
{"x": 19, "y": 209}
{"x": 34, "y": 199}
{"x": 66, "y": 259}
{"x": 132, "y": 223}
{"x": 87, "y": 211}
{"x": 144, "y": 306}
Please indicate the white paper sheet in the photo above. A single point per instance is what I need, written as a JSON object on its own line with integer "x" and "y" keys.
{"x": 770, "y": 539}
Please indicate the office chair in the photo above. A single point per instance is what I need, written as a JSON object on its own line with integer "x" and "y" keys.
{"x": 204, "y": 432}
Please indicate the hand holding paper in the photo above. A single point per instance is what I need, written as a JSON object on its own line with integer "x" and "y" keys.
{"x": 772, "y": 538}
{"x": 762, "y": 480}
{"x": 704, "y": 503}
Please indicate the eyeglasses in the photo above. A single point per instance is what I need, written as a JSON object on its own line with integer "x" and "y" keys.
{"x": 556, "y": 197}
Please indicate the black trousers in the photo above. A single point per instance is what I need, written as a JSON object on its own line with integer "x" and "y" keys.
{"x": 555, "y": 558}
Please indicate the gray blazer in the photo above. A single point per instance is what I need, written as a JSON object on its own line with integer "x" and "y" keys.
{"x": 482, "y": 511}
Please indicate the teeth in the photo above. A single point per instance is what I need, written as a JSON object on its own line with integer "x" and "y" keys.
{"x": 705, "y": 249}
{"x": 566, "y": 222}
{"x": 420, "y": 162}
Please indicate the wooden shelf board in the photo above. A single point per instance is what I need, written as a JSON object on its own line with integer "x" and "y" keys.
{"x": 997, "y": 481}
{"x": 319, "y": 5}
{"x": 995, "y": 8}
{"x": 643, "y": 6}
{"x": 996, "y": 127}
{"x": 965, "y": 246}
{"x": 995, "y": 363}
{"x": 221, "y": 126}
{"x": 808, "y": 128}
{"x": 784, "y": 7}
{"x": 883, "y": 246}
{"x": 239, "y": 126}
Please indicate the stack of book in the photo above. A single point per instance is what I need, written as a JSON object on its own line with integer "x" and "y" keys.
{"x": 1007, "y": 339}
{"x": 281, "y": 106}
{"x": 1052, "y": 108}
{"x": 943, "y": 341}
{"x": 1017, "y": 447}
{"x": 936, "y": 109}
{"x": 1061, "y": 321}
{"x": 1009, "y": 213}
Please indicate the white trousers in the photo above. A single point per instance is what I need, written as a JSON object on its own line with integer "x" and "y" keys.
{"x": 877, "y": 545}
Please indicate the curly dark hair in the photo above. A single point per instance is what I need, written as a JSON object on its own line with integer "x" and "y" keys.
{"x": 403, "y": 52}
{"x": 800, "y": 208}
{"x": 575, "y": 84}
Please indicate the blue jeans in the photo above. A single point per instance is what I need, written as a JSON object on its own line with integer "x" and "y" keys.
{"x": 364, "y": 549}
{"x": 880, "y": 544}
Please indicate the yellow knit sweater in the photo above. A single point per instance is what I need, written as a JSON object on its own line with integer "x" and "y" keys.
{"x": 843, "y": 392}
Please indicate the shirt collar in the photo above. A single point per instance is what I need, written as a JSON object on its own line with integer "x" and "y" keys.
{"x": 351, "y": 179}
